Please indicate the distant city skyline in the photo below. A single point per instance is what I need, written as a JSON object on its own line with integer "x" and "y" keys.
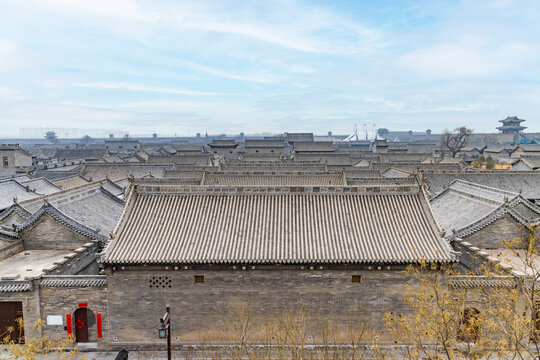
{"x": 175, "y": 67}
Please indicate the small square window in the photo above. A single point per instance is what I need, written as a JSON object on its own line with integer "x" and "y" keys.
{"x": 357, "y": 279}
{"x": 198, "y": 279}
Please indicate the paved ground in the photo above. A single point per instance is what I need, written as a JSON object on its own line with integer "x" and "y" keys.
{"x": 136, "y": 355}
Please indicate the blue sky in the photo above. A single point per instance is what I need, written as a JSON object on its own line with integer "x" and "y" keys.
{"x": 267, "y": 66}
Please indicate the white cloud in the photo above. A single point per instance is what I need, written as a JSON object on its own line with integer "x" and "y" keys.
{"x": 259, "y": 77}
{"x": 9, "y": 94}
{"x": 292, "y": 26}
{"x": 13, "y": 58}
{"x": 105, "y": 85}
{"x": 462, "y": 59}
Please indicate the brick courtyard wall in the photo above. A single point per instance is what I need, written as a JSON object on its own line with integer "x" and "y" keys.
{"x": 200, "y": 310}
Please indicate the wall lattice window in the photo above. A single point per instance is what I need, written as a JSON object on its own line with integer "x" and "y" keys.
{"x": 160, "y": 282}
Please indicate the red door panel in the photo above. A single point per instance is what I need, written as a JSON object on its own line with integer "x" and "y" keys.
{"x": 81, "y": 325}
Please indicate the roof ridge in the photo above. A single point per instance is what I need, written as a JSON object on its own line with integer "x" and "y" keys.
{"x": 111, "y": 195}
{"x": 494, "y": 189}
{"x": 441, "y": 233}
{"x": 131, "y": 195}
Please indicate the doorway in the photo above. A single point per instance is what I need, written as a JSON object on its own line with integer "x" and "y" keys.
{"x": 81, "y": 325}
{"x": 10, "y": 313}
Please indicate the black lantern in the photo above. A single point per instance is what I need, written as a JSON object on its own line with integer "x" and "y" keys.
{"x": 162, "y": 331}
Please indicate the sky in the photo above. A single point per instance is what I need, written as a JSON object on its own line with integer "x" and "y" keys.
{"x": 175, "y": 67}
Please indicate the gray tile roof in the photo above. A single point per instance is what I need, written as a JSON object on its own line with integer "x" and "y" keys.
{"x": 406, "y": 157}
{"x": 112, "y": 187}
{"x": 464, "y": 208}
{"x": 532, "y": 162}
{"x": 274, "y": 180}
{"x": 65, "y": 220}
{"x": 415, "y": 167}
{"x": 396, "y": 173}
{"x": 354, "y": 172}
{"x": 11, "y": 286}
{"x": 271, "y": 166}
{"x": 10, "y": 189}
{"x": 41, "y": 186}
{"x": 482, "y": 281}
{"x": 242, "y": 227}
{"x": 90, "y": 206}
{"x": 71, "y": 182}
{"x": 115, "y": 172}
{"x": 80, "y": 154}
{"x": 14, "y": 208}
{"x": 514, "y": 181}
{"x": 73, "y": 281}
{"x": 331, "y": 158}
{"x": 317, "y": 146}
{"x": 187, "y": 158}
{"x": 273, "y": 143}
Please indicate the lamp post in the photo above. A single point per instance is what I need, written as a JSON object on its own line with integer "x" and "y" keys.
{"x": 165, "y": 330}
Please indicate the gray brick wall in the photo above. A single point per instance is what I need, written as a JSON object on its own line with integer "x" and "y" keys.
{"x": 65, "y": 300}
{"x": 199, "y": 310}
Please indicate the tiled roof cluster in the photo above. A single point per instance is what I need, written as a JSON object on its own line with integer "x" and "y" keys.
{"x": 91, "y": 210}
{"x": 162, "y": 227}
{"x": 464, "y": 207}
{"x": 528, "y": 182}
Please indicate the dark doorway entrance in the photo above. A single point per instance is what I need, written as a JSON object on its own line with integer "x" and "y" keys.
{"x": 81, "y": 325}
{"x": 10, "y": 312}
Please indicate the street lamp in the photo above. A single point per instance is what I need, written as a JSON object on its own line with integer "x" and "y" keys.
{"x": 165, "y": 330}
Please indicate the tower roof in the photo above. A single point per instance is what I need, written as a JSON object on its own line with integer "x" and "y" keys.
{"x": 511, "y": 120}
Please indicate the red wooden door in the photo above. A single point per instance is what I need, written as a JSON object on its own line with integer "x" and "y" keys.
{"x": 9, "y": 313}
{"x": 81, "y": 325}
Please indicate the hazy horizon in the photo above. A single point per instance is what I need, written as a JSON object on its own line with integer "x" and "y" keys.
{"x": 175, "y": 67}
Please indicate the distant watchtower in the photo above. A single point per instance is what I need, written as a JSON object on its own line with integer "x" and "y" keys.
{"x": 511, "y": 125}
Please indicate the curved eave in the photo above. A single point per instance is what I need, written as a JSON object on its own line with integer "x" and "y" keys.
{"x": 385, "y": 262}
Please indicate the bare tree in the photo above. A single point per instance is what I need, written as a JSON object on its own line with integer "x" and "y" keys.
{"x": 455, "y": 141}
